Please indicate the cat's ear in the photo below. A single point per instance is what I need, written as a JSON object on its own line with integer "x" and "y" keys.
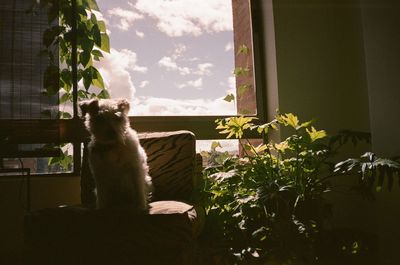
{"x": 123, "y": 106}
{"x": 89, "y": 106}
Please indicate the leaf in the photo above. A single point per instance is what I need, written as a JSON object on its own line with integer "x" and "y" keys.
{"x": 97, "y": 79}
{"x": 281, "y": 147}
{"x": 97, "y": 53}
{"x": 315, "y": 135}
{"x": 93, "y": 5}
{"x": 65, "y": 97}
{"x": 243, "y": 49}
{"x": 240, "y": 71}
{"x": 102, "y": 26}
{"x": 82, "y": 94}
{"x": 84, "y": 58}
{"x": 87, "y": 77}
{"x": 66, "y": 77}
{"x": 290, "y": 120}
{"x": 96, "y": 35}
{"x": 105, "y": 42}
{"x": 229, "y": 98}
{"x": 215, "y": 144}
{"x": 65, "y": 115}
{"x": 256, "y": 150}
{"x": 51, "y": 80}
{"x": 104, "y": 94}
{"x": 242, "y": 89}
{"x": 50, "y": 34}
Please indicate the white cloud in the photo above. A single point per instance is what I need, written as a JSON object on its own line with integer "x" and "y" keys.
{"x": 144, "y": 83}
{"x": 140, "y": 34}
{"x": 166, "y": 106}
{"x": 169, "y": 64}
{"x": 198, "y": 84}
{"x": 188, "y": 17}
{"x": 229, "y": 47}
{"x": 204, "y": 69}
{"x": 179, "y": 50}
{"x": 115, "y": 68}
{"x": 123, "y": 19}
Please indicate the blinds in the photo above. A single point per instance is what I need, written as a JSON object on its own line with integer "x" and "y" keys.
{"x": 21, "y": 65}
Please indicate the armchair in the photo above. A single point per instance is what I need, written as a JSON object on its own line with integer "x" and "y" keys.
{"x": 167, "y": 235}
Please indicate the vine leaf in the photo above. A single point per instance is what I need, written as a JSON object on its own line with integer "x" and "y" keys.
{"x": 229, "y": 98}
{"x": 105, "y": 42}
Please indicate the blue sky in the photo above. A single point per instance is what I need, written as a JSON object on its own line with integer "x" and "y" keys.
{"x": 170, "y": 57}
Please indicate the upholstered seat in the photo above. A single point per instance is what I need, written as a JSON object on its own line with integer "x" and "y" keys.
{"x": 166, "y": 235}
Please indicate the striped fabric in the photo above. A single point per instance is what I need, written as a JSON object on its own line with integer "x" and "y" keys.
{"x": 171, "y": 158}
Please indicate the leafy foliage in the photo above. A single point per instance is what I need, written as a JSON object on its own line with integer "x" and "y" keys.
{"x": 270, "y": 201}
{"x": 91, "y": 40}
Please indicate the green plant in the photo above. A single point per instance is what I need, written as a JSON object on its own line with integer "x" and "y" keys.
{"x": 270, "y": 202}
{"x": 91, "y": 41}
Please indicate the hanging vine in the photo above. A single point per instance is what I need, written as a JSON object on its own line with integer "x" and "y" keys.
{"x": 91, "y": 41}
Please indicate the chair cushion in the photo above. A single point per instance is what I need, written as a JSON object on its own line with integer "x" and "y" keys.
{"x": 117, "y": 236}
{"x": 171, "y": 159}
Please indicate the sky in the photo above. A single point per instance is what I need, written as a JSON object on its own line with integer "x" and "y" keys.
{"x": 170, "y": 57}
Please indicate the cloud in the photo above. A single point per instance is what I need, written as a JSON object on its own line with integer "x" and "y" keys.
{"x": 204, "y": 69}
{"x": 229, "y": 47}
{"x": 123, "y": 19}
{"x": 188, "y": 17}
{"x": 153, "y": 106}
{"x": 140, "y": 34}
{"x": 169, "y": 64}
{"x": 116, "y": 69}
{"x": 198, "y": 84}
{"x": 144, "y": 84}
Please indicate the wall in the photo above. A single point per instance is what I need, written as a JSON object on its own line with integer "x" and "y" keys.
{"x": 338, "y": 61}
{"x": 45, "y": 192}
{"x": 381, "y": 25}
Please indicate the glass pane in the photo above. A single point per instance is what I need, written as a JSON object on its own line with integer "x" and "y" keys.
{"x": 35, "y": 158}
{"x": 215, "y": 151}
{"x": 171, "y": 57}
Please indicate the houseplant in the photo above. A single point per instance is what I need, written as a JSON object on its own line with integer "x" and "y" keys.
{"x": 270, "y": 202}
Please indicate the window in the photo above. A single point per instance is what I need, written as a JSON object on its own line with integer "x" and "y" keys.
{"x": 176, "y": 59}
{"x": 192, "y": 74}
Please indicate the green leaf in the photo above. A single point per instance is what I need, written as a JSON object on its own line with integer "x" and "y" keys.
{"x": 87, "y": 77}
{"x": 102, "y": 26}
{"x": 239, "y": 71}
{"x": 96, "y": 35}
{"x": 65, "y": 115}
{"x": 97, "y": 79}
{"x": 243, "y": 49}
{"x": 82, "y": 94}
{"x": 104, "y": 94}
{"x": 50, "y": 34}
{"x": 51, "y": 80}
{"x": 242, "y": 89}
{"x": 229, "y": 98}
{"x": 215, "y": 144}
{"x": 66, "y": 77}
{"x": 84, "y": 58}
{"x": 86, "y": 44}
{"x": 66, "y": 97}
{"x": 97, "y": 53}
{"x": 105, "y": 42}
{"x": 93, "y": 5}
